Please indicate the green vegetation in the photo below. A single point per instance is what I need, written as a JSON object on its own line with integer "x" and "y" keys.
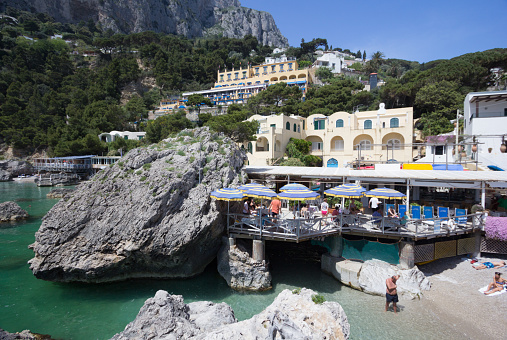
{"x": 318, "y": 299}
{"x": 296, "y": 291}
{"x": 297, "y": 152}
{"x": 232, "y": 124}
{"x": 192, "y": 159}
{"x": 181, "y": 153}
{"x": 142, "y": 179}
{"x": 138, "y": 172}
{"x": 147, "y": 166}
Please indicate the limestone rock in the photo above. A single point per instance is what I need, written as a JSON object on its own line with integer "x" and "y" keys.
{"x": 240, "y": 270}
{"x": 191, "y": 18}
{"x": 24, "y": 335}
{"x": 10, "y": 169}
{"x": 166, "y": 316}
{"x": 11, "y": 211}
{"x": 59, "y": 193}
{"x": 146, "y": 216}
{"x": 373, "y": 275}
{"x": 290, "y": 316}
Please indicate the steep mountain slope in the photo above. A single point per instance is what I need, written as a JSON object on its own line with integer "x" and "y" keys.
{"x": 186, "y": 17}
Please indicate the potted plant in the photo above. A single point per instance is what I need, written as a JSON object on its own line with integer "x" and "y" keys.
{"x": 478, "y": 219}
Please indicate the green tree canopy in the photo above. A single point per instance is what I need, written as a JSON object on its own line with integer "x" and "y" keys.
{"x": 234, "y": 124}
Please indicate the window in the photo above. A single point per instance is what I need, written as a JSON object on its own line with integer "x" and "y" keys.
{"x": 316, "y": 146}
{"x": 339, "y": 123}
{"x": 339, "y": 145}
{"x": 364, "y": 145}
{"x": 332, "y": 163}
{"x": 281, "y": 67}
{"x": 367, "y": 124}
{"x": 287, "y": 126}
{"x": 290, "y": 66}
{"x": 295, "y": 127}
{"x": 273, "y": 126}
{"x": 505, "y": 112}
{"x": 383, "y": 125}
{"x": 236, "y": 75}
{"x": 249, "y": 147}
{"x": 244, "y": 74}
{"x": 438, "y": 150}
{"x": 221, "y": 77}
{"x": 228, "y": 76}
{"x": 273, "y": 68}
{"x": 126, "y": 137}
{"x": 394, "y": 123}
{"x": 319, "y": 124}
{"x": 257, "y": 70}
{"x": 299, "y": 129}
{"x": 265, "y": 69}
{"x": 303, "y": 124}
{"x": 394, "y": 144}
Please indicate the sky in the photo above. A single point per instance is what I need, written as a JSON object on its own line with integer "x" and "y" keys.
{"x": 404, "y": 29}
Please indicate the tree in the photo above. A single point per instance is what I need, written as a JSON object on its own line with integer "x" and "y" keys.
{"x": 196, "y": 100}
{"x": 364, "y": 55}
{"x": 162, "y": 127}
{"x": 324, "y": 73}
{"x": 297, "y": 152}
{"x": 275, "y": 99}
{"x": 234, "y": 124}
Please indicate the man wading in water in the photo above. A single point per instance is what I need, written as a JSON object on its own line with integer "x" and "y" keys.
{"x": 391, "y": 293}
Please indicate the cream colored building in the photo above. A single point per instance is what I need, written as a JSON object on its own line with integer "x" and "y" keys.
{"x": 339, "y": 139}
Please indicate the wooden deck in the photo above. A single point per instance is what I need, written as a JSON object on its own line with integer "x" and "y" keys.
{"x": 301, "y": 229}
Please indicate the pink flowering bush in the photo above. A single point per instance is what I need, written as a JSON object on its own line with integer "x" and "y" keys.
{"x": 496, "y": 227}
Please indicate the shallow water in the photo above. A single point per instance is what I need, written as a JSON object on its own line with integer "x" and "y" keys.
{"x": 98, "y": 311}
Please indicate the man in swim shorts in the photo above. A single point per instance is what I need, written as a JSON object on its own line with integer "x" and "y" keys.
{"x": 391, "y": 292}
{"x": 492, "y": 264}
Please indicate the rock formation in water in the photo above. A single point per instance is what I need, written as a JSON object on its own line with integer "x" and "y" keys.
{"x": 293, "y": 315}
{"x": 191, "y": 18}
{"x": 59, "y": 193}
{"x": 373, "y": 275}
{"x": 10, "y": 169}
{"x": 240, "y": 270}
{"x": 24, "y": 335}
{"x": 146, "y": 216}
{"x": 11, "y": 211}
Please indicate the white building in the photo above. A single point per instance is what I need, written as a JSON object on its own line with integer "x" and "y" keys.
{"x": 331, "y": 60}
{"x": 486, "y": 120}
{"x": 109, "y": 137}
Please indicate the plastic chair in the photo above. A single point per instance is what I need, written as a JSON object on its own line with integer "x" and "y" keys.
{"x": 428, "y": 212}
{"x": 415, "y": 210}
{"x": 460, "y": 221}
{"x": 402, "y": 209}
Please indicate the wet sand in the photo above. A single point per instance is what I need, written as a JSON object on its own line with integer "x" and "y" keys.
{"x": 455, "y": 299}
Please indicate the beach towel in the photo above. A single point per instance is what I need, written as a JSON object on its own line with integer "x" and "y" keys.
{"x": 483, "y": 289}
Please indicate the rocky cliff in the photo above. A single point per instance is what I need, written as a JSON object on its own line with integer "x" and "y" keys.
{"x": 191, "y": 18}
{"x": 10, "y": 169}
{"x": 11, "y": 211}
{"x": 146, "y": 216}
{"x": 293, "y": 315}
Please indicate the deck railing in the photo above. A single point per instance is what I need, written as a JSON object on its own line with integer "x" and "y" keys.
{"x": 300, "y": 229}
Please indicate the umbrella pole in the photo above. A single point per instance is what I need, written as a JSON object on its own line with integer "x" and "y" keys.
{"x": 228, "y": 216}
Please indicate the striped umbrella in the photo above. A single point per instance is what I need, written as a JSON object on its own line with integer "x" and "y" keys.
{"x": 260, "y": 193}
{"x": 346, "y": 191}
{"x": 293, "y": 186}
{"x": 228, "y": 194}
{"x": 245, "y": 187}
{"x": 298, "y": 195}
{"x": 385, "y": 193}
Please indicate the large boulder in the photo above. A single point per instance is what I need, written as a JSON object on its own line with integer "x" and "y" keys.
{"x": 293, "y": 315}
{"x": 24, "y": 335}
{"x": 240, "y": 270}
{"x": 10, "y": 169}
{"x": 373, "y": 275}
{"x": 11, "y": 211}
{"x": 146, "y": 216}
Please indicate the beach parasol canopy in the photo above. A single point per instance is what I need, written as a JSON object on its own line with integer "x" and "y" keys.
{"x": 260, "y": 192}
{"x": 298, "y": 195}
{"x": 293, "y": 186}
{"x": 245, "y": 187}
{"x": 349, "y": 190}
{"x": 228, "y": 194}
{"x": 385, "y": 193}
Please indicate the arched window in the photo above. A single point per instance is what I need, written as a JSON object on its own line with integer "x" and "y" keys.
{"x": 394, "y": 144}
{"x": 332, "y": 163}
{"x": 367, "y": 124}
{"x": 287, "y": 126}
{"x": 295, "y": 127}
{"x": 299, "y": 130}
{"x": 249, "y": 147}
{"x": 394, "y": 123}
{"x": 339, "y": 123}
{"x": 365, "y": 144}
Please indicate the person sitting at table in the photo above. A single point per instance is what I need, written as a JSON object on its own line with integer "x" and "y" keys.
{"x": 405, "y": 218}
{"x": 392, "y": 213}
{"x": 352, "y": 207}
{"x": 304, "y": 211}
{"x": 377, "y": 215}
{"x": 246, "y": 207}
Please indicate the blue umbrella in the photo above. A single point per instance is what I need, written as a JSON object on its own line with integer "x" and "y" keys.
{"x": 346, "y": 191}
{"x": 228, "y": 194}
{"x": 385, "y": 193}
{"x": 260, "y": 193}
{"x": 298, "y": 195}
{"x": 293, "y": 186}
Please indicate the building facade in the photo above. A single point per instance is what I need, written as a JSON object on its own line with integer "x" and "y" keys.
{"x": 333, "y": 61}
{"x": 109, "y": 137}
{"x": 339, "y": 139}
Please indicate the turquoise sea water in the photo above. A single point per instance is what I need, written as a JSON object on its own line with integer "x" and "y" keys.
{"x": 98, "y": 311}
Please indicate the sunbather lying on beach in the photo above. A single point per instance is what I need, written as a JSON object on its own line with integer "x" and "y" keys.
{"x": 498, "y": 284}
{"x": 493, "y": 264}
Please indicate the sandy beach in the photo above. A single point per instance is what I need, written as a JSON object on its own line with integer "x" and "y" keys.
{"x": 454, "y": 297}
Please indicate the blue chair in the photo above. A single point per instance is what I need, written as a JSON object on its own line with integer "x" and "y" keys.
{"x": 416, "y": 212}
{"x": 386, "y": 213}
{"x": 443, "y": 213}
{"x": 460, "y": 220}
{"x": 402, "y": 209}
{"x": 428, "y": 212}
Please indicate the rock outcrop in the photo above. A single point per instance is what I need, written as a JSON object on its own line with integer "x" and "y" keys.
{"x": 373, "y": 275}
{"x": 293, "y": 315}
{"x": 146, "y": 216}
{"x": 191, "y": 18}
{"x": 10, "y": 169}
{"x": 11, "y": 211}
{"x": 166, "y": 316}
{"x": 24, "y": 335}
{"x": 240, "y": 270}
{"x": 59, "y": 193}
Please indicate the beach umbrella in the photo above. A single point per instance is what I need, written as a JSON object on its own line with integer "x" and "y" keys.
{"x": 346, "y": 191}
{"x": 262, "y": 193}
{"x": 245, "y": 187}
{"x": 298, "y": 195}
{"x": 228, "y": 194}
{"x": 385, "y": 193}
{"x": 293, "y": 186}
